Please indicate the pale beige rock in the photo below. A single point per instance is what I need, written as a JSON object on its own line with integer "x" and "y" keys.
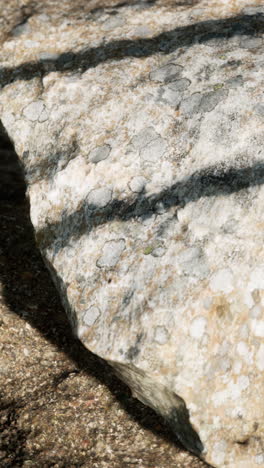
{"x": 144, "y": 164}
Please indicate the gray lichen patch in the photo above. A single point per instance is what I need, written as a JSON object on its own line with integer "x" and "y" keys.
{"x": 91, "y": 315}
{"x": 172, "y": 93}
{"x": 199, "y": 103}
{"x": 113, "y": 22}
{"x": 167, "y": 73}
{"x": 21, "y": 29}
{"x": 253, "y": 10}
{"x": 235, "y": 82}
{"x": 145, "y": 136}
{"x": 193, "y": 262}
{"x": 159, "y": 251}
{"x": 149, "y": 143}
{"x": 259, "y": 109}
{"x": 137, "y": 184}
{"x": 251, "y": 42}
{"x": 191, "y": 104}
{"x": 36, "y": 110}
{"x": 210, "y": 100}
{"x": 222, "y": 281}
{"x": 43, "y": 116}
{"x": 100, "y": 153}
{"x": 154, "y": 150}
{"x": 179, "y": 85}
{"x": 99, "y": 198}
{"x": 111, "y": 253}
{"x": 169, "y": 96}
{"x": 48, "y": 56}
{"x": 156, "y": 249}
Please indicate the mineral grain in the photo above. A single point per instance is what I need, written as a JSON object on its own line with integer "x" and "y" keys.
{"x": 140, "y": 129}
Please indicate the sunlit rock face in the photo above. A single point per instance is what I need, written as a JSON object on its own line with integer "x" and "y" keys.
{"x": 141, "y": 128}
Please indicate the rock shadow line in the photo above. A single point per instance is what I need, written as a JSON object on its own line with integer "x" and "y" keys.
{"x": 210, "y": 182}
{"x": 164, "y": 43}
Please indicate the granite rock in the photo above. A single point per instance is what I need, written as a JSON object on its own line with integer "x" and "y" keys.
{"x": 143, "y": 157}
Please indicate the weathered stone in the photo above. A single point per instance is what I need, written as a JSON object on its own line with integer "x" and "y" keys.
{"x": 144, "y": 163}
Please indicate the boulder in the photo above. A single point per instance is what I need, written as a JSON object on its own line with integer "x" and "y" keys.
{"x": 140, "y": 128}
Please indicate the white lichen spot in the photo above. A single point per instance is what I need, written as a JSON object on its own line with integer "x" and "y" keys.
{"x": 219, "y": 398}
{"x": 144, "y": 137}
{"x": 238, "y": 412}
{"x": 243, "y": 382}
{"x": 8, "y": 119}
{"x": 99, "y": 154}
{"x": 99, "y": 198}
{"x": 158, "y": 251}
{"x": 161, "y": 335}
{"x": 257, "y": 327}
{"x": 244, "y": 352}
{"x": 222, "y": 281}
{"x": 237, "y": 367}
{"x": 232, "y": 391}
{"x": 259, "y": 458}
{"x": 113, "y": 22}
{"x": 260, "y": 357}
{"x": 43, "y": 116}
{"x": 34, "y": 110}
{"x": 193, "y": 262}
{"x": 81, "y": 329}
{"x": 219, "y": 452}
{"x": 137, "y": 184}
{"x": 154, "y": 151}
{"x": 257, "y": 279}
{"x": 167, "y": 73}
{"x": 256, "y": 311}
{"x": 197, "y": 328}
{"x": 91, "y": 315}
{"x": 208, "y": 301}
{"x": 111, "y": 253}
{"x": 244, "y": 332}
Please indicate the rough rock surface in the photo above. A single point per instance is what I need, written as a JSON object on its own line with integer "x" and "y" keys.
{"x": 60, "y": 405}
{"x": 140, "y": 128}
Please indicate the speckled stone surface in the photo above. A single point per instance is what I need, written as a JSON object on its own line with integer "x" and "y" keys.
{"x": 140, "y": 128}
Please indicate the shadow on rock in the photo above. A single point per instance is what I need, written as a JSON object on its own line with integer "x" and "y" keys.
{"x": 164, "y": 43}
{"x": 29, "y": 292}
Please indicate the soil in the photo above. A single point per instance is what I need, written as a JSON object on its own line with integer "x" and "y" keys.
{"x": 60, "y": 406}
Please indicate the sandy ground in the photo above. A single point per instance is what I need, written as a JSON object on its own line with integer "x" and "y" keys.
{"x": 60, "y": 406}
